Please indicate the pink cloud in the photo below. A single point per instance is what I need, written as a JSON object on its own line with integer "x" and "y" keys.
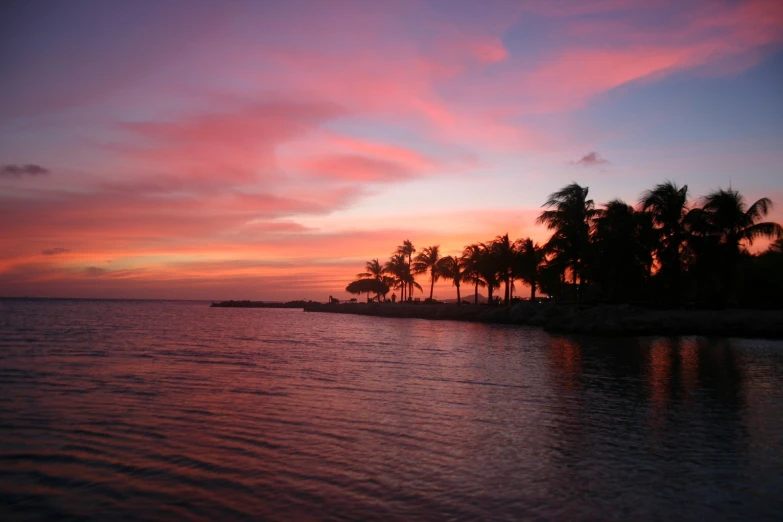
{"x": 490, "y": 50}
{"x": 413, "y": 86}
{"x": 719, "y": 37}
{"x": 577, "y": 75}
{"x": 596, "y": 54}
{"x": 401, "y": 85}
{"x": 236, "y": 144}
{"x": 338, "y": 158}
{"x": 358, "y": 168}
{"x": 456, "y": 51}
{"x": 411, "y": 158}
{"x": 591, "y": 159}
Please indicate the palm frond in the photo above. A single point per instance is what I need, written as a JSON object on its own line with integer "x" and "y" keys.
{"x": 759, "y": 209}
{"x": 767, "y": 229}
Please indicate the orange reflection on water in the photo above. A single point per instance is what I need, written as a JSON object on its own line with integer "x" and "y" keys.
{"x": 660, "y": 370}
{"x": 689, "y": 364}
{"x": 567, "y": 361}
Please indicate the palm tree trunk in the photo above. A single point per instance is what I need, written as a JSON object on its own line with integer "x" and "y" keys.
{"x": 505, "y": 298}
{"x": 432, "y": 286}
{"x": 475, "y": 297}
{"x": 410, "y": 285}
{"x": 576, "y": 288}
{"x": 533, "y": 292}
{"x": 459, "y": 299}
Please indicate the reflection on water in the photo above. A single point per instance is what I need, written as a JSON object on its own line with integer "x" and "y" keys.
{"x": 159, "y": 410}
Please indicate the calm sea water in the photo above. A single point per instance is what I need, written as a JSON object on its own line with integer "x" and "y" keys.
{"x": 173, "y": 410}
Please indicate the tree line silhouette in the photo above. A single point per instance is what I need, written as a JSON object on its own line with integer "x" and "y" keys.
{"x": 665, "y": 251}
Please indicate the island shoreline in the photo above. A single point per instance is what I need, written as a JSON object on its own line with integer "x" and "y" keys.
{"x": 595, "y": 320}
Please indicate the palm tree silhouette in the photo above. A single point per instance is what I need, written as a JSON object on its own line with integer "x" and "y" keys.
{"x": 471, "y": 260}
{"x": 531, "y": 257}
{"x": 570, "y": 217}
{"x": 487, "y": 270}
{"x": 504, "y": 253}
{"x": 367, "y": 285}
{"x": 429, "y": 260}
{"x": 398, "y": 269}
{"x": 373, "y": 270}
{"x": 668, "y": 206}
{"x": 721, "y": 226}
{"x": 413, "y": 284}
{"x": 388, "y": 283}
{"x": 664, "y": 248}
{"x": 452, "y": 268}
{"x": 407, "y": 249}
{"x": 731, "y": 221}
{"x": 623, "y": 250}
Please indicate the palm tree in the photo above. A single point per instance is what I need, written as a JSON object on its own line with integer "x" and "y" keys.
{"x": 731, "y": 221}
{"x": 487, "y": 270}
{"x": 407, "y": 250}
{"x": 471, "y": 261}
{"x": 372, "y": 269}
{"x": 570, "y": 217}
{"x": 429, "y": 260}
{"x": 412, "y": 284}
{"x": 724, "y": 223}
{"x": 389, "y": 283}
{"x": 452, "y": 268}
{"x": 762, "y": 277}
{"x": 668, "y": 206}
{"x": 504, "y": 254}
{"x": 367, "y": 285}
{"x": 623, "y": 252}
{"x": 531, "y": 259}
{"x": 397, "y": 267}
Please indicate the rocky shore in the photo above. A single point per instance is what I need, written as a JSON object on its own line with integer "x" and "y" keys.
{"x": 600, "y": 320}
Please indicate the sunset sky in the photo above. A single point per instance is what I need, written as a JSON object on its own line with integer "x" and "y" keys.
{"x": 266, "y": 150}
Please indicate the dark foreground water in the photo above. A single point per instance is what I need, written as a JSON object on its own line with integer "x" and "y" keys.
{"x": 176, "y": 411}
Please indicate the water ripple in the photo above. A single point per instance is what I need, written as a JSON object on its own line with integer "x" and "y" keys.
{"x": 171, "y": 410}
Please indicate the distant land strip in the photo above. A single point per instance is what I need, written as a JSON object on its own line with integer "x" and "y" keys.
{"x": 259, "y": 304}
{"x": 598, "y": 320}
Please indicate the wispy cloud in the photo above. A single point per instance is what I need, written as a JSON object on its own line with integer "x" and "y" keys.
{"x": 591, "y": 159}
{"x": 94, "y": 271}
{"x": 55, "y": 251}
{"x": 17, "y": 171}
